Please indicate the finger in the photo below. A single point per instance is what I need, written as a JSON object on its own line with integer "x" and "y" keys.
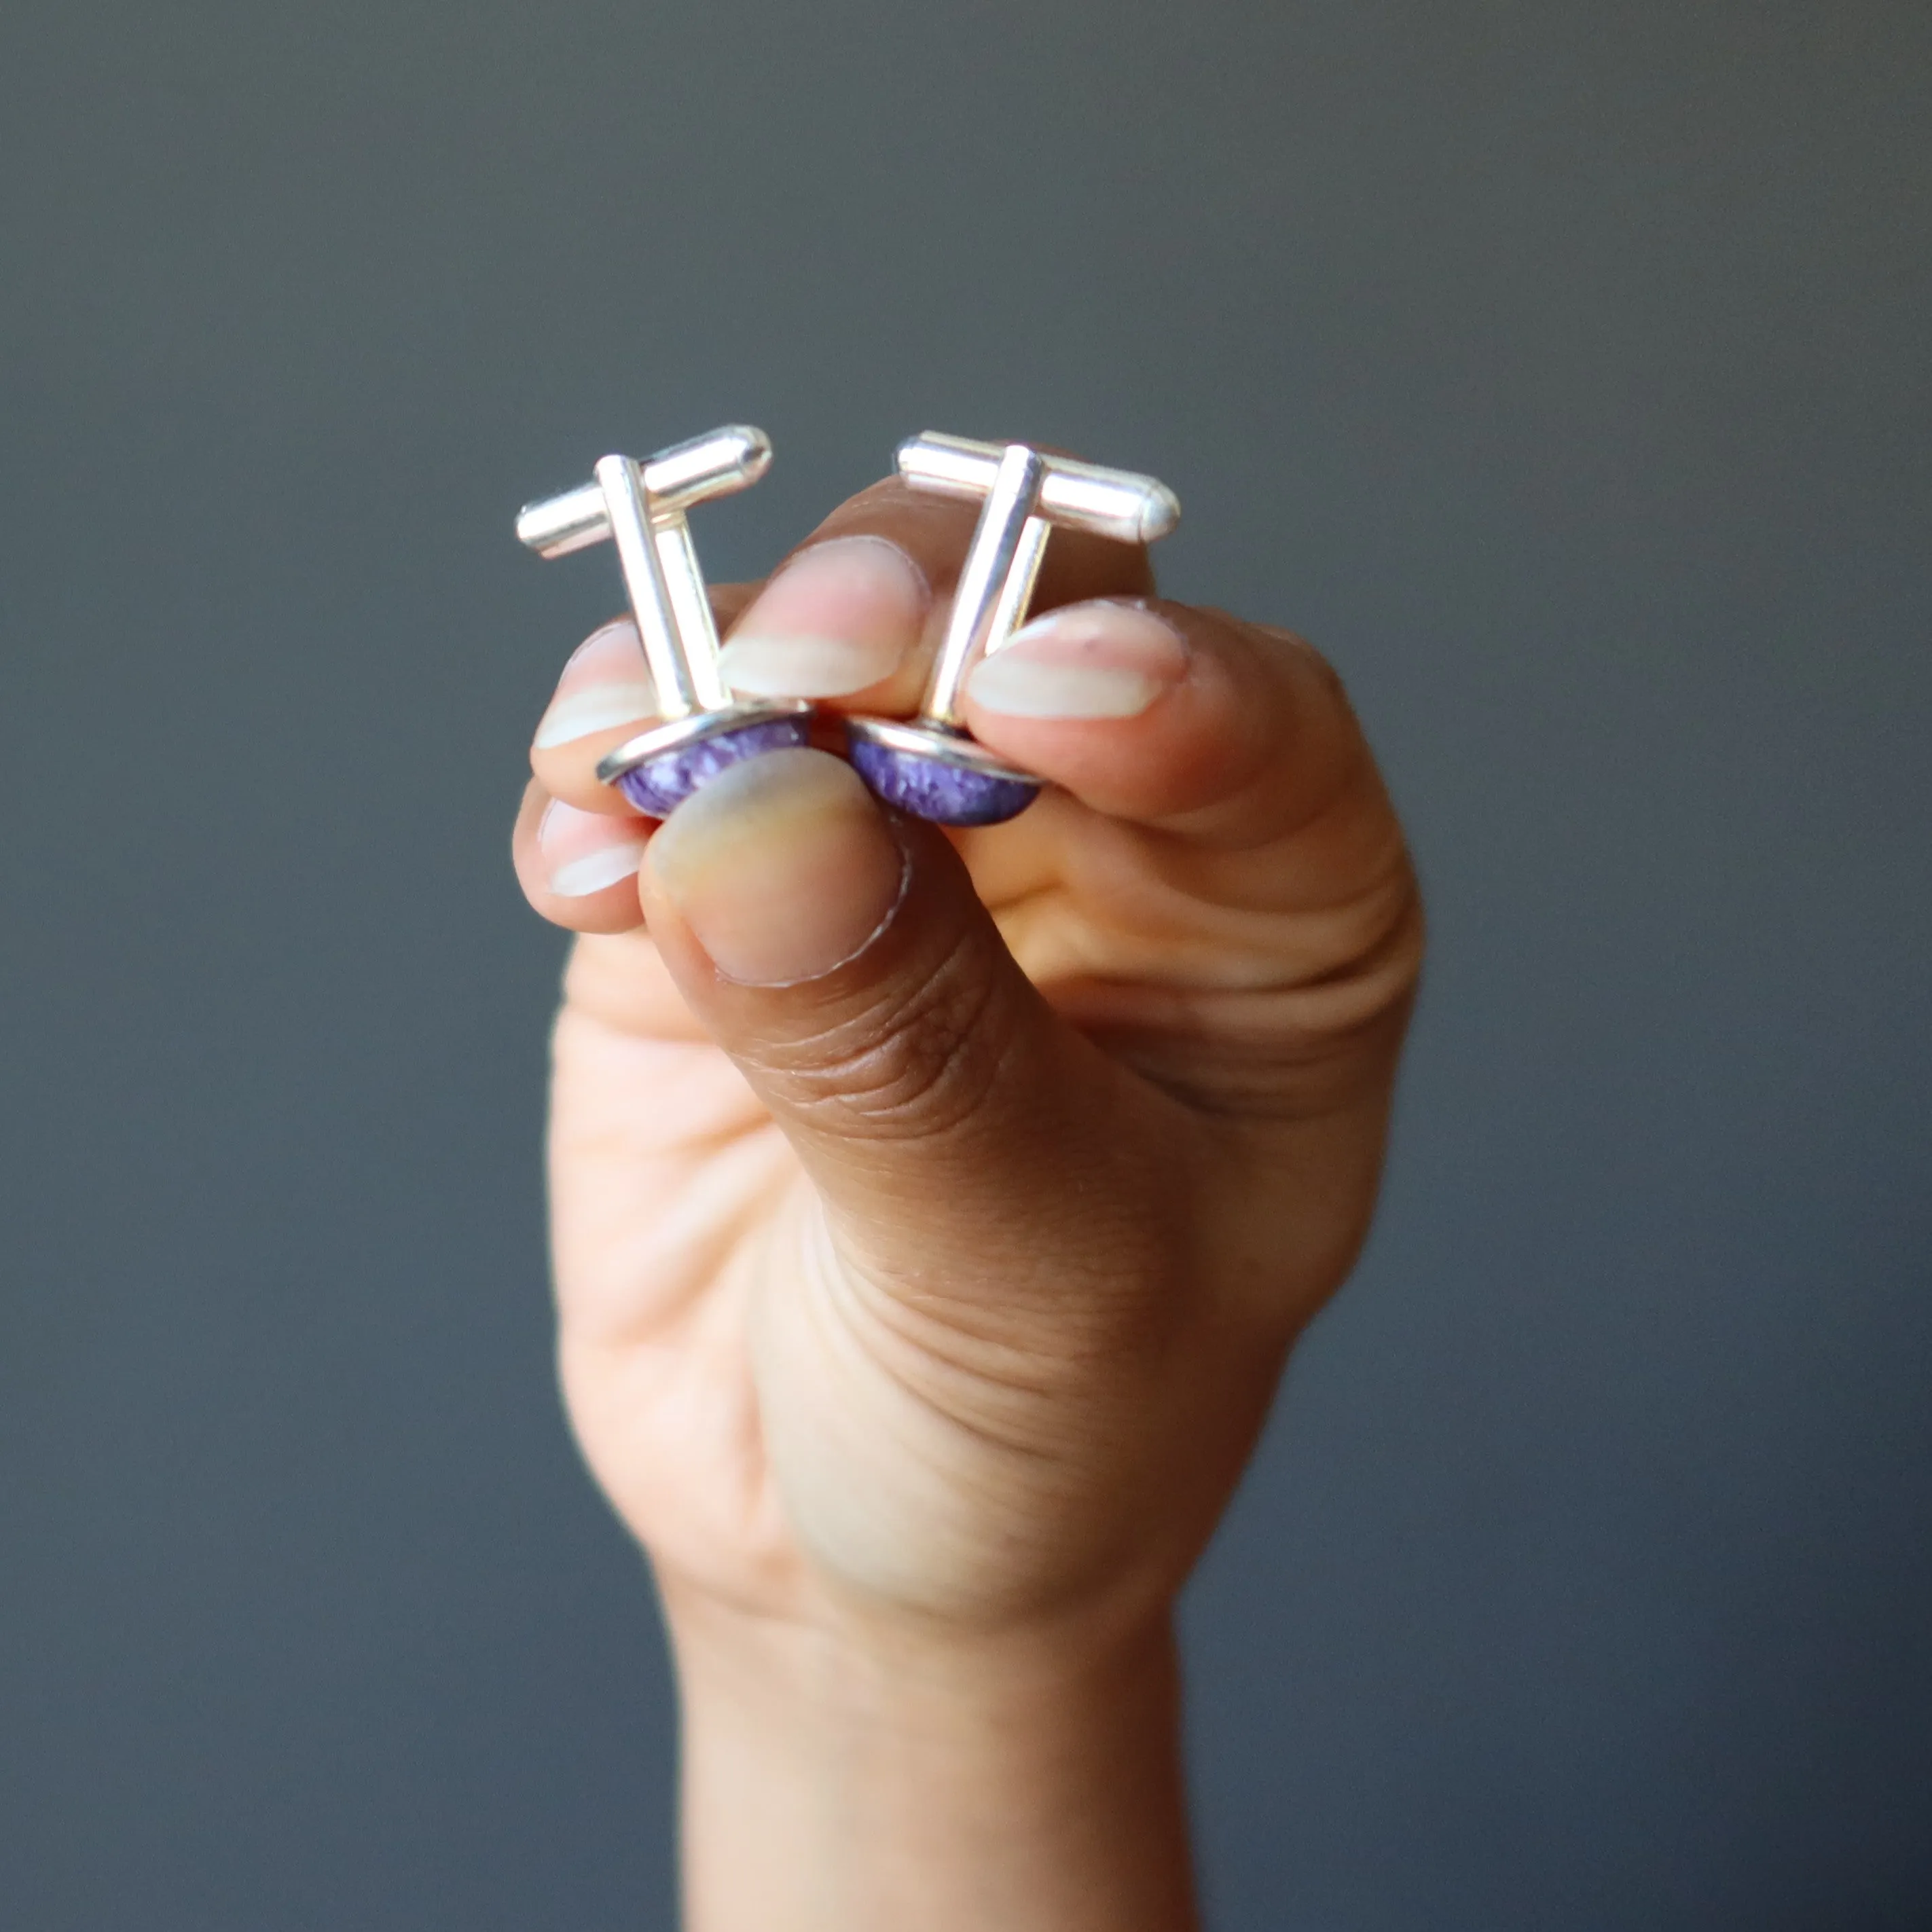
{"x": 945, "y": 1113}
{"x": 1246, "y": 849}
{"x": 605, "y": 695}
{"x": 1224, "y": 738}
{"x": 935, "y": 532}
{"x": 854, "y": 616}
{"x": 579, "y": 869}
{"x": 836, "y": 619}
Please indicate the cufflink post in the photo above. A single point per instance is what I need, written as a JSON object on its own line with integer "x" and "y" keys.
{"x": 640, "y": 508}
{"x": 927, "y": 765}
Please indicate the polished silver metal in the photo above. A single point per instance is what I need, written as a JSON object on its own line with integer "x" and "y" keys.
{"x": 680, "y": 642}
{"x": 1117, "y": 503}
{"x": 679, "y": 734}
{"x": 1026, "y": 495}
{"x": 946, "y": 743}
{"x": 927, "y": 765}
{"x": 640, "y": 507}
{"x": 995, "y": 581}
{"x": 713, "y": 465}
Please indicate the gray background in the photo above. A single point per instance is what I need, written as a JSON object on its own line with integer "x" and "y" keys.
{"x": 1562, "y": 368}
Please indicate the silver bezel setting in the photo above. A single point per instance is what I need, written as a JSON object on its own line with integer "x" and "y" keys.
{"x": 681, "y": 734}
{"x": 927, "y": 741}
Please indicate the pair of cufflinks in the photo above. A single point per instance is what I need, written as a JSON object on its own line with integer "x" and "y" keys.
{"x": 928, "y": 766}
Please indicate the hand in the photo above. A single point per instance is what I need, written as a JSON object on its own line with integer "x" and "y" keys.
{"x": 933, "y": 1214}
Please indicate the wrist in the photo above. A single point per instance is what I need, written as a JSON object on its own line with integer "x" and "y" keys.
{"x": 842, "y": 1772}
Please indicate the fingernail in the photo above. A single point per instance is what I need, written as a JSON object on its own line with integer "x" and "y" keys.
{"x": 837, "y": 618}
{"x": 782, "y": 866}
{"x": 583, "y": 852}
{"x": 606, "y": 683}
{"x": 1087, "y": 661}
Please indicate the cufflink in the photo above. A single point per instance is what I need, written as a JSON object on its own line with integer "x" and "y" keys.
{"x": 640, "y": 508}
{"x": 927, "y": 765}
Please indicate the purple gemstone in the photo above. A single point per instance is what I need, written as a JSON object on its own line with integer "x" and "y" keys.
{"x": 931, "y": 788}
{"x": 663, "y": 783}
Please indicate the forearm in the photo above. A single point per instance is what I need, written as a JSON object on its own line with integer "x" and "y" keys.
{"x": 830, "y": 1786}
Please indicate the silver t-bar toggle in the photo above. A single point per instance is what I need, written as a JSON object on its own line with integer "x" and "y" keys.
{"x": 640, "y": 507}
{"x": 928, "y": 765}
{"x": 1025, "y": 495}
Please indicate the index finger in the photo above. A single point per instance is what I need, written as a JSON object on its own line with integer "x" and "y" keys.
{"x": 932, "y": 534}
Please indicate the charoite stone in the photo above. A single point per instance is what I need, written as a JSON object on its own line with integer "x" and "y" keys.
{"x": 663, "y": 783}
{"x": 931, "y": 788}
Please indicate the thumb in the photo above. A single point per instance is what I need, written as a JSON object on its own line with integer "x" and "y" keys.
{"x": 965, "y": 1140}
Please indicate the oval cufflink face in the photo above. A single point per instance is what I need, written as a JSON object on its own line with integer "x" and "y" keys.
{"x": 661, "y": 766}
{"x": 943, "y": 791}
{"x": 934, "y": 773}
{"x": 657, "y": 787}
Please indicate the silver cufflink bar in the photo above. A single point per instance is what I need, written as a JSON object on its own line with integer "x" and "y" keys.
{"x": 641, "y": 509}
{"x": 929, "y": 766}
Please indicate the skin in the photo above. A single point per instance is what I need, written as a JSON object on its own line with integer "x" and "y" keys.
{"x": 918, "y": 1311}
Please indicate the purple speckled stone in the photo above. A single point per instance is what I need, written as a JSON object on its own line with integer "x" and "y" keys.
{"x": 931, "y": 788}
{"x": 661, "y": 786}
